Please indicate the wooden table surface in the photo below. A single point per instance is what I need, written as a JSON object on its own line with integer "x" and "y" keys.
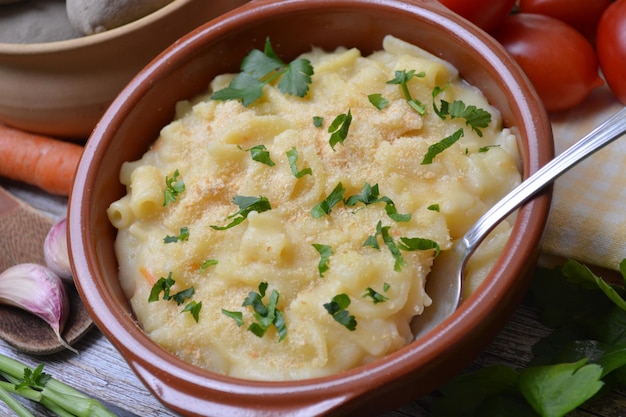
{"x": 100, "y": 371}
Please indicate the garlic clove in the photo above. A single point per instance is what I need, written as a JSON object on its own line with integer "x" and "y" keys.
{"x": 38, "y": 290}
{"x": 55, "y": 251}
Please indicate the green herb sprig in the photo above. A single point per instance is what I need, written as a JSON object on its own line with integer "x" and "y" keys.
{"x": 246, "y": 204}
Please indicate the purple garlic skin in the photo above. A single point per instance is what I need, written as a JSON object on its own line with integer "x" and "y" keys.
{"x": 56, "y": 253}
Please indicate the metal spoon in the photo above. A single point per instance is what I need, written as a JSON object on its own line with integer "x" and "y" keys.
{"x": 446, "y": 278}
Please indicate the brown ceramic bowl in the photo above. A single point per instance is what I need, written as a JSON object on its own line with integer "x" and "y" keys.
{"x": 184, "y": 70}
{"x": 62, "y": 88}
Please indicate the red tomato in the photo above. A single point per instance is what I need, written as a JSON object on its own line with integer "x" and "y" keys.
{"x": 582, "y": 15}
{"x": 558, "y": 60}
{"x": 611, "y": 48}
{"x": 486, "y": 14}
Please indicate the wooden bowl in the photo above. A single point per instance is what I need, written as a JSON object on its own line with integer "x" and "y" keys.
{"x": 62, "y": 88}
{"x": 184, "y": 70}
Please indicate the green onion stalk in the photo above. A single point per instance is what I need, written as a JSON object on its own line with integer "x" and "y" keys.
{"x": 53, "y": 394}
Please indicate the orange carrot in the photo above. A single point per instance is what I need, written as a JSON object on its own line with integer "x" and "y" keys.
{"x": 44, "y": 162}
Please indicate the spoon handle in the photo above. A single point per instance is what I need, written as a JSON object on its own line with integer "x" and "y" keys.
{"x": 613, "y": 128}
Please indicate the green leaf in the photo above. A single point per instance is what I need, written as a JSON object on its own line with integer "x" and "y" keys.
{"x": 235, "y": 315}
{"x": 260, "y": 153}
{"x": 173, "y": 187}
{"x": 246, "y": 204}
{"x": 374, "y": 295}
{"x": 35, "y": 379}
{"x": 370, "y": 195}
{"x": 297, "y": 77}
{"x": 337, "y": 308}
{"x": 292, "y": 157}
{"x": 433, "y": 207}
{"x": 244, "y": 87}
{"x": 436, "y": 148}
{"x": 378, "y": 101}
{"x": 579, "y": 273}
{"x": 393, "y": 248}
{"x": 325, "y": 206}
{"x": 555, "y": 390}
{"x": 418, "y": 243}
{"x": 475, "y": 117}
{"x": 325, "y": 252}
{"x": 183, "y": 235}
{"x": 194, "y": 308}
{"x": 339, "y": 129}
{"x": 162, "y": 285}
{"x": 318, "y": 121}
{"x": 265, "y": 316}
{"x": 208, "y": 263}
{"x": 183, "y": 295}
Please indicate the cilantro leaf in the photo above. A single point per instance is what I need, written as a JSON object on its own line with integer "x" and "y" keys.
{"x": 337, "y": 308}
{"x": 325, "y": 252}
{"x": 173, "y": 187}
{"x": 246, "y": 205}
{"x": 436, "y": 148}
{"x": 339, "y": 129}
{"x": 325, "y": 206}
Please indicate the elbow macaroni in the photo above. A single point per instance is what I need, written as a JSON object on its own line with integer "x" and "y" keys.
{"x": 209, "y": 143}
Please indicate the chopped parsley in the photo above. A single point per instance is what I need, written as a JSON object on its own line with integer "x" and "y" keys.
{"x": 260, "y": 153}
{"x": 318, "y": 121}
{"x": 402, "y": 78}
{"x": 173, "y": 187}
{"x": 325, "y": 252}
{"x": 339, "y": 129}
{"x": 369, "y": 195}
{"x": 436, "y": 148}
{"x": 325, "y": 206}
{"x": 337, "y": 308}
{"x": 292, "y": 157}
{"x": 433, "y": 207}
{"x": 375, "y": 295}
{"x": 486, "y": 148}
{"x": 475, "y": 117}
{"x": 259, "y": 68}
{"x": 183, "y": 235}
{"x": 378, "y": 101}
{"x": 206, "y": 264}
{"x": 246, "y": 205}
{"x": 164, "y": 285}
{"x": 265, "y": 315}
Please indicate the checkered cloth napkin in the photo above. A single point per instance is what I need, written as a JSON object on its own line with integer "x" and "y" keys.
{"x": 588, "y": 216}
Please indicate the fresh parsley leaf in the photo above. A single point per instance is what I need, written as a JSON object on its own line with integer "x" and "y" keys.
{"x": 578, "y": 273}
{"x": 265, "y": 316}
{"x": 475, "y": 117}
{"x": 377, "y": 100}
{"x": 436, "y": 148}
{"x": 260, "y": 153}
{"x": 173, "y": 187}
{"x": 339, "y": 129}
{"x": 433, "y": 207}
{"x": 193, "y": 308}
{"x": 486, "y": 148}
{"x": 235, "y": 315}
{"x": 183, "y": 235}
{"x": 555, "y": 390}
{"x": 260, "y": 68}
{"x": 208, "y": 263}
{"x": 246, "y": 205}
{"x": 418, "y": 243}
{"x": 369, "y": 194}
{"x": 374, "y": 295}
{"x": 393, "y": 248}
{"x": 402, "y": 78}
{"x": 325, "y": 252}
{"x": 325, "y": 206}
{"x": 34, "y": 379}
{"x": 162, "y": 285}
{"x": 318, "y": 121}
{"x": 183, "y": 295}
{"x": 337, "y": 308}
{"x": 292, "y": 157}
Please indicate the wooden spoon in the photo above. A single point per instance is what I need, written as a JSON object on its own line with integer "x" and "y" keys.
{"x": 22, "y": 233}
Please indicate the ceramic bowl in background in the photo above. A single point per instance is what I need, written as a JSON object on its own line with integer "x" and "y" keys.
{"x": 184, "y": 70}
{"x": 62, "y": 88}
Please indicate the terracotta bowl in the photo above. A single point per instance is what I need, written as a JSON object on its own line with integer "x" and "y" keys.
{"x": 184, "y": 70}
{"x": 62, "y": 88}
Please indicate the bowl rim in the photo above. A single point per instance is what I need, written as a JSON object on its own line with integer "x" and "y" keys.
{"x": 131, "y": 340}
{"x": 86, "y": 41}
